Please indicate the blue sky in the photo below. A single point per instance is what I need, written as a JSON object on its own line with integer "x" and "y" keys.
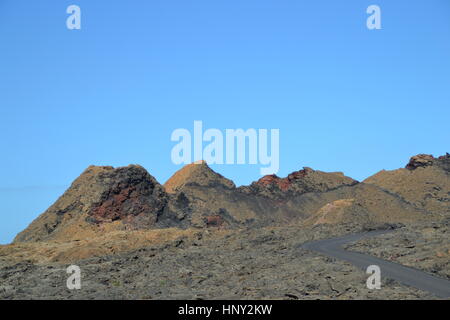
{"x": 345, "y": 98}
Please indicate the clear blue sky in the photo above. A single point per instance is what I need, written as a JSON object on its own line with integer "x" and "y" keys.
{"x": 344, "y": 98}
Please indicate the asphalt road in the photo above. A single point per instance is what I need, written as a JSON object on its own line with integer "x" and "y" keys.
{"x": 408, "y": 276}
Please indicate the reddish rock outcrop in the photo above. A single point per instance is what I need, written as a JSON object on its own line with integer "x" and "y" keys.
{"x": 214, "y": 221}
{"x": 283, "y": 183}
{"x": 131, "y": 195}
{"x": 299, "y": 182}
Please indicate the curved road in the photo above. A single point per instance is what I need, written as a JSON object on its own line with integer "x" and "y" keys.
{"x": 412, "y": 277}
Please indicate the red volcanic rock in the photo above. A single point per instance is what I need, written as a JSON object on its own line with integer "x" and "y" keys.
{"x": 283, "y": 183}
{"x": 129, "y": 193}
{"x": 214, "y": 221}
{"x": 273, "y": 179}
{"x": 299, "y": 182}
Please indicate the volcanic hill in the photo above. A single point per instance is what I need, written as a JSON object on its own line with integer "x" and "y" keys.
{"x": 104, "y": 199}
{"x": 200, "y": 236}
{"x": 424, "y": 182}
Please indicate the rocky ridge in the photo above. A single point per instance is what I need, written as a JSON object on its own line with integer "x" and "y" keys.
{"x": 130, "y": 234}
{"x": 129, "y": 198}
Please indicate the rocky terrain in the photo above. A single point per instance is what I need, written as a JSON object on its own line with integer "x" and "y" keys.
{"x": 424, "y": 246}
{"x": 199, "y": 236}
{"x": 247, "y": 264}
